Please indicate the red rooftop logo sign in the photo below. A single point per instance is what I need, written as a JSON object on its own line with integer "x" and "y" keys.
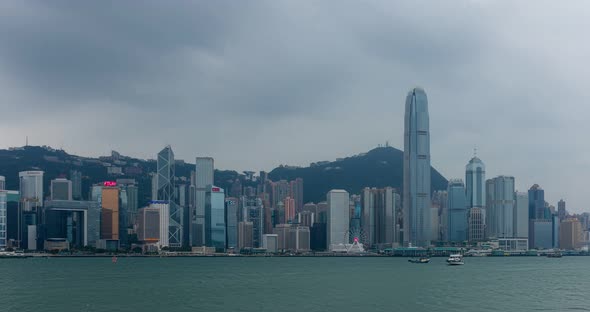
{"x": 110, "y": 183}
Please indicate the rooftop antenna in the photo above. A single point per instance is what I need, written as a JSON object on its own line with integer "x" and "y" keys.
{"x": 475, "y": 151}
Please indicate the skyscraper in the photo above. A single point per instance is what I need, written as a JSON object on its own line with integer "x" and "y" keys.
{"x": 3, "y": 216}
{"x": 457, "y": 206}
{"x": 338, "y": 218}
{"x": 538, "y": 219}
{"x": 215, "y": 235}
{"x": 378, "y": 216}
{"x": 289, "y": 209}
{"x": 2, "y": 183}
{"x": 31, "y": 201}
{"x": 296, "y": 192}
{"x": 440, "y": 199}
{"x": 245, "y": 235}
{"x": 561, "y": 212}
{"x": 475, "y": 183}
{"x": 253, "y": 211}
{"x": 476, "y": 224}
{"x": 570, "y": 234}
{"x": 521, "y": 215}
{"x": 416, "y": 197}
{"x": 76, "y": 178}
{"x": 204, "y": 176}
{"x": 61, "y": 189}
{"x": 500, "y": 207}
{"x": 129, "y": 199}
{"x": 167, "y": 192}
{"x": 475, "y": 187}
{"x": 231, "y": 222}
{"x": 148, "y": 224}
{"x": 537, "y": 208}
{"x": 109, "y": 224}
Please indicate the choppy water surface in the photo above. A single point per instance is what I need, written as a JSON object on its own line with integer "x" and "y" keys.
{"x": 294, "y": 284}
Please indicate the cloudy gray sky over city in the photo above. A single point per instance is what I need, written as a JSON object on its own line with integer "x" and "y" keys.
{"x": 256, "y": 84}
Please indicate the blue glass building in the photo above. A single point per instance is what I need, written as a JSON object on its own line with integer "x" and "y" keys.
{"x": 457, "y": 206}
{"x": 215, "y": 218}
{"x": 537, "y": 203}
{"x": 416, "y": 188}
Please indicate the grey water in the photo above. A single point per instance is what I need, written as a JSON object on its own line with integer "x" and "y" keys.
{"x": 294, "y": 284}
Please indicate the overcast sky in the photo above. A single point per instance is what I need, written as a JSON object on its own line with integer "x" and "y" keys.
{"x": 256, "y": 84}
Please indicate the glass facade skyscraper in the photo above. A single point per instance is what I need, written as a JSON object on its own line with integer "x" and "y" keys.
{"x": 204, "y": 176}
{"x": 416, "y": 195}
{"x": 338, "y": 217}
{"x": 166, "y": 191}
{"x": 457, "y": 206}
{"x": 500, "y": 207}
{"x": 231, "y": 222}
{"x": 475, "y": 183}
{"x": 475, "y": 188}
{"x": 215, "y": 234}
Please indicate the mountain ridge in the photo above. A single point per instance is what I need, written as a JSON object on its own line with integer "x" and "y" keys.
{"x": 379, "y": 167}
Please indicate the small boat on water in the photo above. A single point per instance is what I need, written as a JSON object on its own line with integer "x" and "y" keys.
{"x": 421, "y": 260}
{"x": 554, "y": 255}
{"x": 13, "y": 255}
{"x": 455, "y": 259}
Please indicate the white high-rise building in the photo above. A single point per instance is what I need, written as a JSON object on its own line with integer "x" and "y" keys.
{"x": 416, "y": 197}
{"x": 338, "y": 218}
{"x": 164, "y": 209}
{"x": 204, "y": 176}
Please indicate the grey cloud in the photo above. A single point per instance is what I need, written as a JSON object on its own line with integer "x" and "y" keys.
{"x": 260, "y": 83}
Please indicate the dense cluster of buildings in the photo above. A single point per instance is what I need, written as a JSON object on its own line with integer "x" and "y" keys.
{"x": 193, "y": 214}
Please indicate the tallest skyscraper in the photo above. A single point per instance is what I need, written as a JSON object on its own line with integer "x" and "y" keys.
{"x": 416, "y": 199}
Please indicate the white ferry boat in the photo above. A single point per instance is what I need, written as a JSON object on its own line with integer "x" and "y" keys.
{"x": 455, "y": 259}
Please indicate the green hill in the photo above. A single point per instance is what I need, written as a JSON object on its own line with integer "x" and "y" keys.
{"x": 379, "y": 167}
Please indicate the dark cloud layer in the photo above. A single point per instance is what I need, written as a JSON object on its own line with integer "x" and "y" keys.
{"x": 260, "y": 83}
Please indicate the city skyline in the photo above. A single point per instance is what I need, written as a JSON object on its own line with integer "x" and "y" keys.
{"x": 495, "y": 87}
